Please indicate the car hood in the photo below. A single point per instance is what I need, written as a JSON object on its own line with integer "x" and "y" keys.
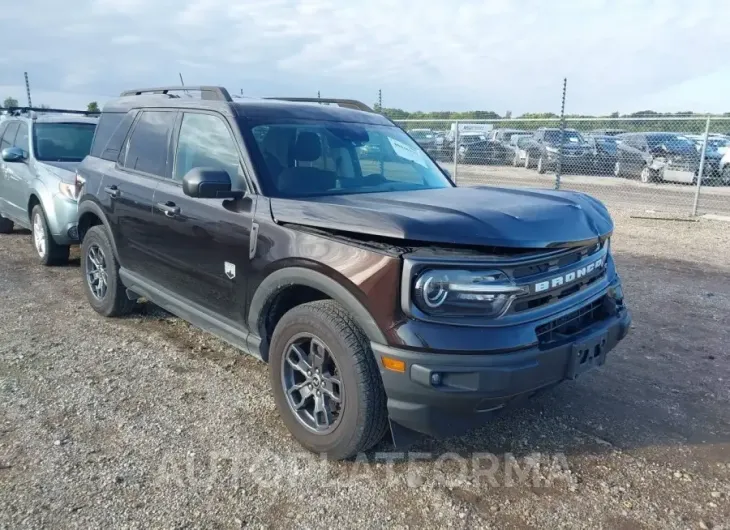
{"x": 518, "y": 218}
{"x": 65, "y": 171}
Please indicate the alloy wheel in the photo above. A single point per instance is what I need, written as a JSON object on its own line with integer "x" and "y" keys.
{"x": 312, "y": 383}
{"x": 96, "y": 272}
{"x": 39, "y": 235}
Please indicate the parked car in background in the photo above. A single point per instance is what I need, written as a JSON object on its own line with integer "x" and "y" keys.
{"x": 603, "y": 150}
{"x": 478, "y": 149}
{"x": 576, "y": 154}
{"x": 724, "y": 169}
{"x": 517, "y": 148}
{"x": 41, "y": 149}
{"x": 657, "y": 156}
{"x": 505, "y": 137}
{"x": 607, "y": 132}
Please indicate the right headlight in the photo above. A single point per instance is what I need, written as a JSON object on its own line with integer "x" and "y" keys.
{"x": 450, "y": 292}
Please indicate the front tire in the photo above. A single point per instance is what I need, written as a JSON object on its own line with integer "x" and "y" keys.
{"x": 647, "y": 175}
{"x": 326, "y": 381}
{"x": 49, "y": 252}
{"x": 100, "y": 269}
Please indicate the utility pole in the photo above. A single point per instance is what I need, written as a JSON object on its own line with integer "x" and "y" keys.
{"x": 318, "y": 96}
{"x": 380, "y": 101}
{"x": 559, "y": 167}
{"x": 27, "y": 88}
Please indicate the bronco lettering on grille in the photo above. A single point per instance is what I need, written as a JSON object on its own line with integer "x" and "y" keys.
{"x": 570, "y": 277}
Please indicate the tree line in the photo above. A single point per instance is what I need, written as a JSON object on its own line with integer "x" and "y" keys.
{"x": 10, "y": 102}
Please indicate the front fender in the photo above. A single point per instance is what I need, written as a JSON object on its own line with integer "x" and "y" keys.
{"x": 285, "y": 277}
{"x": 88, "y": 210}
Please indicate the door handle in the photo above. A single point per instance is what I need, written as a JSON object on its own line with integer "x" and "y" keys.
{"x": 168, "y": 208}
{"x": 113, "y": 191}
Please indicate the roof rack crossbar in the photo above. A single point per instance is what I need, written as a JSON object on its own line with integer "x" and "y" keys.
{"x": 18, "y": 110}
{"x": 215, "y": 93}
{"x": 347, "y": 103}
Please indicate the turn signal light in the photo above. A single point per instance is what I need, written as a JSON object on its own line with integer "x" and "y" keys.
{"x": 394, "y": 365}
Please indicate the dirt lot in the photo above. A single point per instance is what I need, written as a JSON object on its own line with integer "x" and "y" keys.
{"x": 145, "y": 422}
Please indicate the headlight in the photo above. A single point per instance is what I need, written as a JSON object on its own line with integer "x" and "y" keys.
{"x": 68, "y": 190}
{"x": 464, "y": 293}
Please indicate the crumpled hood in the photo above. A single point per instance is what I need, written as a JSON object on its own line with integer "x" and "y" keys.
{"x": 483, "y": 216}
{"x": 65, "y": 171}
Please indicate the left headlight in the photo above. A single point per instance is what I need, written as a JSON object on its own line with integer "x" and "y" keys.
{"x": 451, "y": 292}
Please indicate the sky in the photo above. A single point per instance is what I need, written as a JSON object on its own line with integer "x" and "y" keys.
{"x": 498, "y": 55}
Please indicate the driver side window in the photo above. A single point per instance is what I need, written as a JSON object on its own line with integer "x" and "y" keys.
{"x": 205, "y": 141}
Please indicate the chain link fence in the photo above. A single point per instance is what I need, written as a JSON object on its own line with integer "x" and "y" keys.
{"x": 635, "y": 164}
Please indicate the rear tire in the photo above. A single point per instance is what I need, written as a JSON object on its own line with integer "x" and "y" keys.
{"x": 647, "y": 175}
{"x": 99, "y": 265}
{"x": 361, "y": 418}
{"x": 49, "y": 252}
{"x": 6, "y": 225}
{"x": 527, "y": 161}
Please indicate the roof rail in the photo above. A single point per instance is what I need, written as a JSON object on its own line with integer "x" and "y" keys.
{"x": 17, "y": 111}
{"x": 347, "y": 103}
{"x": 216, "y": 93}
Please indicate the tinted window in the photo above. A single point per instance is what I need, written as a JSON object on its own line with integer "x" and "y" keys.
{"x": 108, "y": 123}
{"x": 205, "y": 141}
{"x": 331, "y": 158}
{"x": 9, "y": 136}
{"x": 62, "y": 142}
{"x": 21, "y": 139}
{"x": 147, "y": 147}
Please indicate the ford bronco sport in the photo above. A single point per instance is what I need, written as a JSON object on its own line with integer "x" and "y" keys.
{"x": 377, "y": 291}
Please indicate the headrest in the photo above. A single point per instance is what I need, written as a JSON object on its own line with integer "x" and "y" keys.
{"x": 308, "y": 148}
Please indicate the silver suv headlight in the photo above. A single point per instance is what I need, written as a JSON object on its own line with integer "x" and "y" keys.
{"x": 451, "y": 292}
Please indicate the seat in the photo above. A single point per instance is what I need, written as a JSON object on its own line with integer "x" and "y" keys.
{"x": 303, "y": 180}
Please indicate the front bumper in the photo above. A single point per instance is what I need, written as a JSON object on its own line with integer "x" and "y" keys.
{"x": 63, "y": 220}
{"x": 447, "y": 394}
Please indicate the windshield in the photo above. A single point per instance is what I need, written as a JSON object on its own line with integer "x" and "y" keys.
{"x": 331, "y": 158}
{"x": 671, "y": 141}
{"x": 553, "y": 137}
{"x": 717, "y": 143}
{"x": 607, "y": 143}
{"x": 62, "y": 142}
{"x": 472, "y": 138}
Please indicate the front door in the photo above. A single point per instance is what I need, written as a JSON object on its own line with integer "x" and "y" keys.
{"x": 18, "y": 177}
{"x": 202, "y": 245}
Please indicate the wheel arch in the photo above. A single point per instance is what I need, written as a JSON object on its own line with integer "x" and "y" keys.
{"x": 309, "y": 285}
{"x": 91, "y": 214}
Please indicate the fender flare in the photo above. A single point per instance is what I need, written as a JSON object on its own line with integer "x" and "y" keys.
{"x": 90, "y": 207}
{"x": 288, "y": 276}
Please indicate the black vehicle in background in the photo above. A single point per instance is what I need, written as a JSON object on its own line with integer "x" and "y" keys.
{"x": 603, "y": 149}
{"x": 576, "y": 153}
{"x": 479, "y": 149}
{"x": 656, "y": 157}
{"x": 426, "y": 138}
{"x": 607, "y": 132}
{"x": 508, "y": 138}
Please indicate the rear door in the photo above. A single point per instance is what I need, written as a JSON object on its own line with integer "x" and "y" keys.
{"x": 3, "y": 128}
{"x": 127, "y": 189}
{"x": 202, "y": 245}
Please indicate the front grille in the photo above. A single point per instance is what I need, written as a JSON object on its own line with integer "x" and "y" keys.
{"x": 564, "y": 327}
{"x": 558, "y": 262}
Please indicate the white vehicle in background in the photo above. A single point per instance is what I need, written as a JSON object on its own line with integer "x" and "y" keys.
{"x": 725, "y": 168}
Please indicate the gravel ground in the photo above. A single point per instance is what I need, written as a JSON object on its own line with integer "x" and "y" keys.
{"x": 146, "y": 422}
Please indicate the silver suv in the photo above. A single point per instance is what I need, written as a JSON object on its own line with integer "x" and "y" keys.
{"x": 40, "y": 150}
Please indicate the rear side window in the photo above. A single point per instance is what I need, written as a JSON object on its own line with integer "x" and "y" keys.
{"x": 9, "y": 135}
{"x": 148, "y": 146}
{"x": 111, "y": 132}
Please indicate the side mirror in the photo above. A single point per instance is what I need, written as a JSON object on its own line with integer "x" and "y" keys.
{"x": 13, "y": 154}
{"x": 209, "y": 183}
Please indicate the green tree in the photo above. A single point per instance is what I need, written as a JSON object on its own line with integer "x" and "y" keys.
{"x": 92, "y": 107}
{"x": 10, "y": 102}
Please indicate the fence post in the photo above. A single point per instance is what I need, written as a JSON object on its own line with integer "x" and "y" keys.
{"x": 456, "y": 151}
{"x": 559, "y": 166}
{"x": 702, "y": 167}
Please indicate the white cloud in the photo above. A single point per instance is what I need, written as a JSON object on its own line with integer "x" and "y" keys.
{"x": 424, "y": 54}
